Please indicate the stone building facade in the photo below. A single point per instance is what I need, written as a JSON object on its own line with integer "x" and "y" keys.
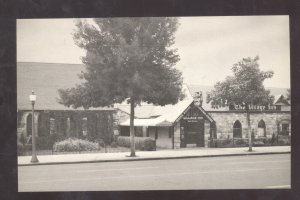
{"x": 263, "y": 124}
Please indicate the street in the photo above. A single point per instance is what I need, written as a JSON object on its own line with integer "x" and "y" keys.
{"x": 232, "y": 172}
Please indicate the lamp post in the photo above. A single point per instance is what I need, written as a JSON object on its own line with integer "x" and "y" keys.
{"x": 34, "y": 159}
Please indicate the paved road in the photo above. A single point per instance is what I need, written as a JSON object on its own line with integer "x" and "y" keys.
{"x": 235, "y": 172}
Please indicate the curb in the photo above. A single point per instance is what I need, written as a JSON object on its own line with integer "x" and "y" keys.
{"x": 155, "y": 158}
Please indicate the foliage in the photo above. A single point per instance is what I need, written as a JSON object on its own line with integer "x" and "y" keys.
{"x": 244, "y": 87}
{"x": 284, "y": 140}
{"x": 23, "y": 138}
{"x": 47, "y": 142}
{"x": 74, "y": 144}
{"x": 114, "y": 144}
{"x": 21, "y": 149}
{"x": 100, "y": 142}
{"x": 127, "y": 59}
{"x": 141, "y": 143}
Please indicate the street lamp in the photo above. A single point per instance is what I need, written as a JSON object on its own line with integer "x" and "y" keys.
{"x": 32, "y": 98}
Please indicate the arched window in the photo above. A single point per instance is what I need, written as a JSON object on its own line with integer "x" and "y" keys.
{"x": 237, "y": 129}
{"x": 84, "y": 126}
{"x": 52, "y": 126}
{"x": 213, "y": 130}
{"x": 261, "y": 129}
{"x": 29, "y": 125}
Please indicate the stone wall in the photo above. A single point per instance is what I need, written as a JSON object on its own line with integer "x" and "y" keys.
{"x": 225, "y": 120}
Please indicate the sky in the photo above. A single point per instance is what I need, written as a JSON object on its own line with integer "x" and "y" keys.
{"x": 208, "y": 46}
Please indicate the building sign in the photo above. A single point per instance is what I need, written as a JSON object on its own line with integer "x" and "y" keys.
{"x": 193, "y": 115}
{"x": 255, "y": 107}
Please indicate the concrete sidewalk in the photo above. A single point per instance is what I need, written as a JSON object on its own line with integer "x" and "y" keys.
{"x": 151, "y": 155}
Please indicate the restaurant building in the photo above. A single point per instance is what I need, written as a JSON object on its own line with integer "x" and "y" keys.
{"x": 194, "y": 122}
{"x": 190, "y": 122}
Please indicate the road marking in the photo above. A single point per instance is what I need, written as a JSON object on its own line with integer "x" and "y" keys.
{"x": 143, "y": 176}
{"x": 279, "y": 186}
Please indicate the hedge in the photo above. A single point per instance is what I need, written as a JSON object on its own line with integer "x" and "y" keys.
{"x": 141, "y": 143}
{"x": 75, "y": 144}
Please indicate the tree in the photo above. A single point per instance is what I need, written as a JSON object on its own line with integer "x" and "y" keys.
{"x": 127, "y": 59}
{"x": 288, "y": 94}
{"x": 244, "y": 87}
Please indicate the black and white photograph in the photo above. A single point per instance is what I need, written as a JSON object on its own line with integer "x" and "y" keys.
{"x": 153, "y": 103}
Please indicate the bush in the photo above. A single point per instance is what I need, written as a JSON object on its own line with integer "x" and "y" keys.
{"x": 100, "y": 142}
{"x": 74, "y": 144}
{"x": 241, "y": 142}
{"x": 47, "y": 142}
{"x": 141, "y": 143}
{"x": 113, "y": 144}
{"x": 284, "y": 140}
{"x": 258, "y": 143}
{"x": 21, "y": 149}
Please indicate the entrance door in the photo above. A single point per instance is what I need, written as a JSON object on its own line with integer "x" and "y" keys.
{"x": 192, "y": 132}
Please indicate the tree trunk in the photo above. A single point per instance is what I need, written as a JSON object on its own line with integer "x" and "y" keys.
{"x": 132, "y": 145}
{"x": 249, "y": 131}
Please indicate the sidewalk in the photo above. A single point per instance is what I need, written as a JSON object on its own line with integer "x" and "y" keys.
{"x": 151, "y": 155}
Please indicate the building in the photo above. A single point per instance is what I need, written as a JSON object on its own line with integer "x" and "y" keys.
{"x": 52, "y": 118}
{"x": 172, "y": 126}
{"x": 190, "y": 123}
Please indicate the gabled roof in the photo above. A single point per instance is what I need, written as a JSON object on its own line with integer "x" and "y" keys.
{"x": 281, "y": 100}
{"x": 45, "y": 79}
{"x": 168, "y": 114}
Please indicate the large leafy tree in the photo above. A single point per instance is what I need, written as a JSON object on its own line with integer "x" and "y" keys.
{"x": 127, "y": 59}
{"x": 245, "y": 87}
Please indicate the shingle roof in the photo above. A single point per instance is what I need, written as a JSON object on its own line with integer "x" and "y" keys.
{"x": 45, "y": 79}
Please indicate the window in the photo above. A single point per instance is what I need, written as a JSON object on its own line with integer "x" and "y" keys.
{"x": 237, "y": 129}
{"x": 52, "y": 126}
{"x": 84, "y": 126}
{"x": 261, "y": 129}
{"x": 285, "y": 129}
{"x": 29, "y": 125}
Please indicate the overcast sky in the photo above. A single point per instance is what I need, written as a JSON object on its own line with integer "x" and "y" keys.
{"x": 208, "y": 46}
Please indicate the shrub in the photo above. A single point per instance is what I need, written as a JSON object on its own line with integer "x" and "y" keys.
{"x": 113, "y": 144}
{"x": 141, "y": 143}
{"x": 284, "y": 140}
{"x": 258, "y": 143}
{"x": 100, "y": 142}
{"x": 241, "y": 142}
{"x": 21, "y": 149}
{"x": 74, "y": 144}
{"x": 47, "y": 142}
